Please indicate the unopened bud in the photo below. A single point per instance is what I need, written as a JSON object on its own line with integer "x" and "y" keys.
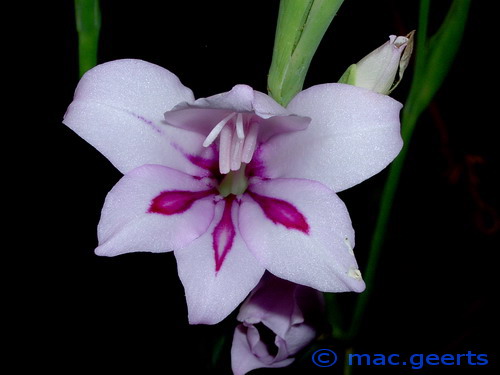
{"x": 377, "y": 71}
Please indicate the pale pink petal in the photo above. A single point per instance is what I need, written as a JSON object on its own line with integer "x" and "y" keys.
{"x": 257, "y": 346}
{"x": 203, "y": 114}
{"x": 118, "y": 108}
{"x": 217, "y": 270}
{"x": 273, "y": 303}
{"x": 354, "y": 134}
{"x": 298, "y": 337}
{"x": 154, "y": 208}
{"x": 289, "y": 310}
{"x": 241, "y": 98}
{"x": 193, "y": 119}
{"x": 277, "y": 306}
{"x": 301, "y": 232}
{"x": 243, "y": 358}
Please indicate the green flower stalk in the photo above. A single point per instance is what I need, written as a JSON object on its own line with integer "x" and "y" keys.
{"x": 88, "y": 25}
{"x": 433, "y": 59}
{"x": 301, "y": 26}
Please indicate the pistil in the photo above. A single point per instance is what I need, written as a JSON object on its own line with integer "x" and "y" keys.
{"x": 235, "y": 182}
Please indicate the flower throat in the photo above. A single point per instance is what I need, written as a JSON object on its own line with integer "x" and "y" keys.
{"x": 234, "y": 182}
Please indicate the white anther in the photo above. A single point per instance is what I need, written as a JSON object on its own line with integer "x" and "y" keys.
{"x": 236, "y": 150}
{"x": 354, "y": 273}
{"x": 216, "y": 130}
{"x": 250, "y": 143}
{"x": 239, "y": 126}
{"x": 226, "y": 137}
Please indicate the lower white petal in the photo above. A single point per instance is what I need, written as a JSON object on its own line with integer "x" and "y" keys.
{"x": 306, "y": 243}
{"x": 217, "y": 278}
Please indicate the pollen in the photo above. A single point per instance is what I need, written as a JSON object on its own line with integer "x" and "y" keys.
{"x": 355, "y": 274}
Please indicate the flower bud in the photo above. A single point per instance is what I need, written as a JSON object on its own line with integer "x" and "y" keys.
{"x": 377, "y": 71}
{"x": 279, "y": 318}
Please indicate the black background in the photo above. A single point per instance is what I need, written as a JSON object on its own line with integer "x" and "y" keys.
{"x": 436, "y": 284}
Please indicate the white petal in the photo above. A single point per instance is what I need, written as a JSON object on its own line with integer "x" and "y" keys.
{"x": 126, "y": 224}
{"x": 243, "y": 358}
{"x": 354, "y": 134}
{"x": 212, "y": 295}
{"x": 118, "y": 108}
{"x": 314, "y": 254}
{"x": 202, "y": 115}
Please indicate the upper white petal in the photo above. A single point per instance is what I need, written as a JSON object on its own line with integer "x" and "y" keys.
{"x": 118, "y": 108}
{"x": 354, "y": 134}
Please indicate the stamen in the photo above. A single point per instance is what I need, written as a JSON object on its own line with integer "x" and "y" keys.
{"x": 216, "y": 130}
{"x": 239, "y": 126}
{"x": 236, "y": 150}
{"x": 250, "y": 143}
{"x": 226, "y": 136}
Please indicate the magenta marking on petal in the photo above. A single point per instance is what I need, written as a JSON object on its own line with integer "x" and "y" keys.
{"x": 176, "y": 201}
{"x": 209, "y": 164}
{"x": 148, "y": 122}
{"x": 281, "y": 212}
{"x": 223, "y": 234}
{"x": 256, "y": 166}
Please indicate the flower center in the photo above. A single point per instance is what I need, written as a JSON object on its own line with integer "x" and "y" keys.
{"x": 234, "y": 182}
{"x": 237, "y": 133}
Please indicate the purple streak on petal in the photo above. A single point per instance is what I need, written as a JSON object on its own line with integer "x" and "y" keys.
{"x": 223, "y": 235}
{"x": 209, "y": 164}
{"x": 281, "y": 212}
{"x": 176, "y": 201}
{"x": 146, "y": 121}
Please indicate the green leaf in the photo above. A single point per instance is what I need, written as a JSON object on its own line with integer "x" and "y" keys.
{"x": 437, "y": 55}
{"x": 433, "y": 60}
{"x": 88, "y": 25}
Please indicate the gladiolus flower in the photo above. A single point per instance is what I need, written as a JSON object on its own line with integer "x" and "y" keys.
{"x": 233, "y": 184}
{"x": 290, "y": 314}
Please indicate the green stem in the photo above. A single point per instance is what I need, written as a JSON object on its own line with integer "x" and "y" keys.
{"x": 409, "y": 120}
{"x": 380, "y": 231}
{"x": 88, "y": 25}
{"x": 421, "y": 38}
{"x": 335, "y": 316}
{"x": 432, "y": 63}
{"x": 347, "y": 366}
